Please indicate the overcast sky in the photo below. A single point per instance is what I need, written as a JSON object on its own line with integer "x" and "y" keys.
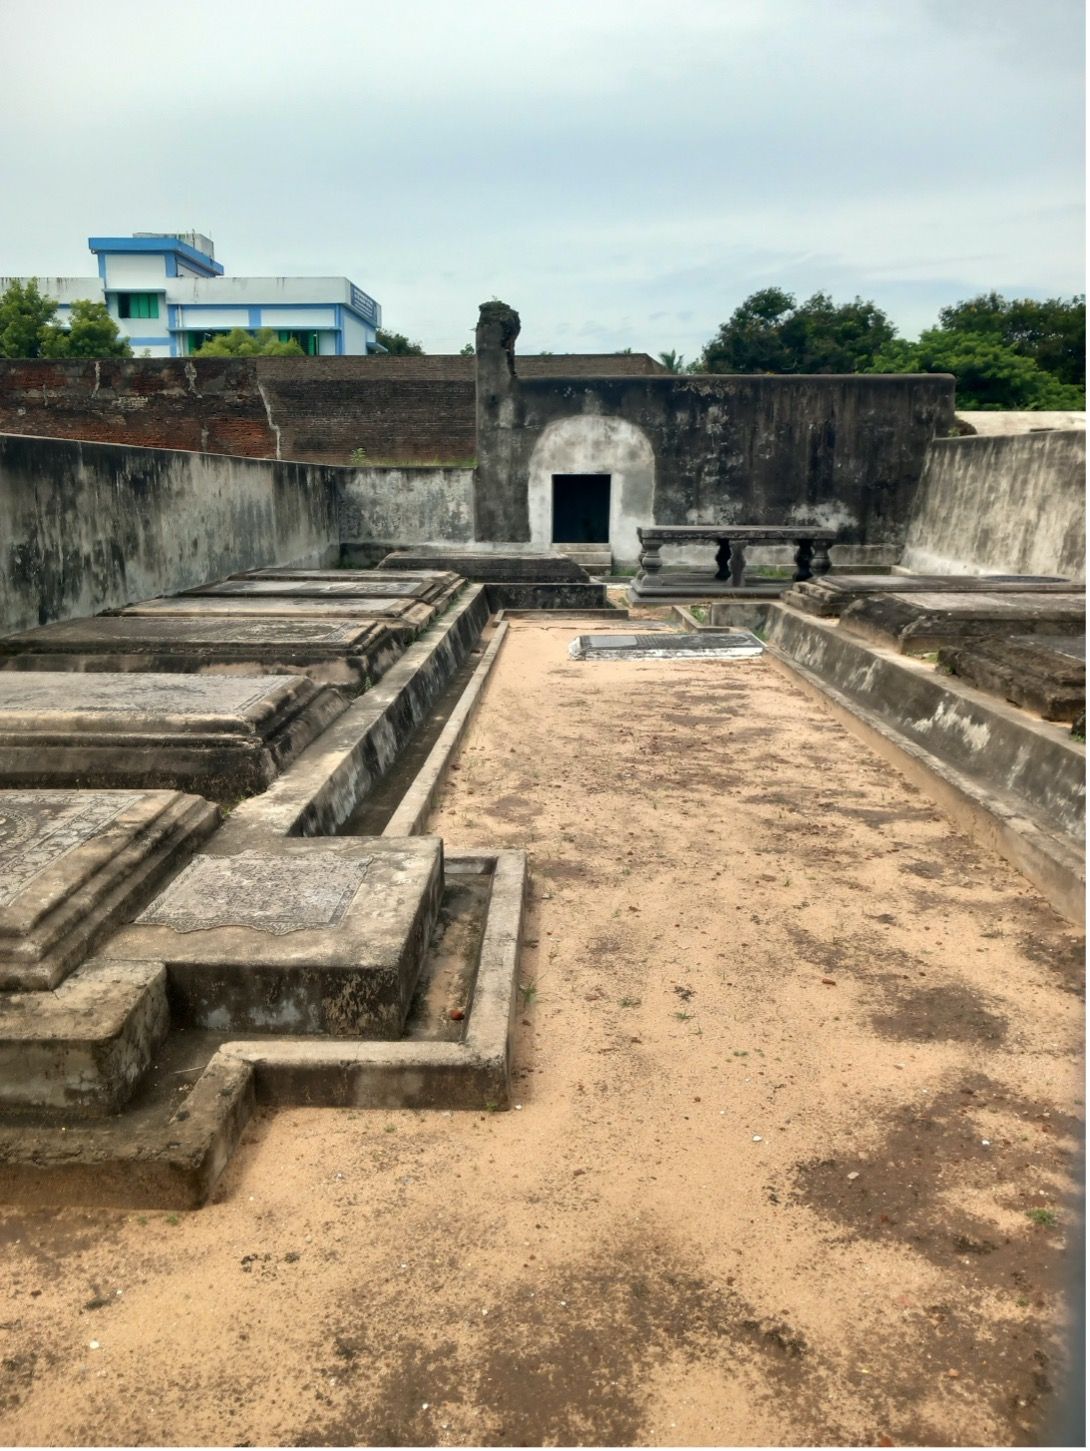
{"x": 624, "y": 172}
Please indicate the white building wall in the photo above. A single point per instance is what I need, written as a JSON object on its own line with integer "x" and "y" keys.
{"x": 357, "y": 337}
{"x": 136, "y": 272}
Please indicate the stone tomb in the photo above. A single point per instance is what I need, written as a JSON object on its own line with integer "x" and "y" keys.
{"x": 347, "y": 653}
{"x": 432, "y": 586}
{"x": 74, "y": 863}
{"x": 227, "y": 736}
{"x": 833, "y": 593}
{"x": 708, "y": 645}
{"x": 405, "y": 618}
{"x": 487, "y": 566}
{"x": 295, "y": 937}
{"x": 1043, "y": 673}
{"x": 916, "y": 624}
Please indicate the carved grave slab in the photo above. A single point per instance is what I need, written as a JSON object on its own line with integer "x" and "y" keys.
{"x": 342, "y": 652}
{"x": 833, "y": 593}
{"x": 74, "y": 863}
{"x": 1043, "y": 673}
{"x": 334, "y": 584}
{"x": 404, "y": 617}
{"x": 225, "y": 736}
{"x": 297, "y": 936}
{"x": 916, "y": 624}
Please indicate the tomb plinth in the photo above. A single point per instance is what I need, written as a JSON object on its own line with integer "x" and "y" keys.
{"x": 916, "y": 624}
{"x": 337, "y": 584}
{"x": 488, "y": 566}
{"x": 833, "y": 593}
{"x": 404, "y": 618}
{"x": 1042, "y": 673}
{"x": 297, "y": 936}
{"x": 347, "y": 653}
{"x": 74, "y": 864}
{"x": 226, "y": 736}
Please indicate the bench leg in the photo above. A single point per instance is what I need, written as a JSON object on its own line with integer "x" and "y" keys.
{"x": 804, "y": 550}
{"x": 822, "y": 563}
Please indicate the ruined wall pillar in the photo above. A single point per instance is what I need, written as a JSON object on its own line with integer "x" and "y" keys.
{"x": 501, "y": 510}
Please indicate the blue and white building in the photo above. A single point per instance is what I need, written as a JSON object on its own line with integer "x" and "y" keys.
{"x": 168, "y": 294}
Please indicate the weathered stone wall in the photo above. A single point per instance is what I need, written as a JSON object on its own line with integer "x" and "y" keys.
{"x": 395, "y": 409}
{"x": 86, "y": 526}
{"x": 845, "y": 452}
{"x": 396, "y": 506}
{"x": 1002, "y": 505}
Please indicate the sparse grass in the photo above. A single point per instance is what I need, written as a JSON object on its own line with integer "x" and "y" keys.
{"x": 528, "y": 992}
{"x": 1044, "y": 1217}
{"x": 683, "y": 1017}
{"x": 389, "y": 1128}
{"x": 630, "y": 1002}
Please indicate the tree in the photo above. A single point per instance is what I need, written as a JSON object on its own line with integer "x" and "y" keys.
{"x": 771, "y": 333}
{"x": 238, "y": 343}
{"x": 91, "y": 333}
{"x": 469, "y": 351}
{"x": 398, "y": 343}
{"x": 672, "y": 361}
{"x": 1052, "y": 333}
{"x": 25, "y": 318}
{"x": 990, "y": 374}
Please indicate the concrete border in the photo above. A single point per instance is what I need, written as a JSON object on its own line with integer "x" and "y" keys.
{"x": 1023, "y": 831}
{"x": 320, "y": 791}
{"x": 414, "y": 806}
{"x": 472, "y": 1074}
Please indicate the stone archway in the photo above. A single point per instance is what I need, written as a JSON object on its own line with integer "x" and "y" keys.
{"x": 592, "y": 444}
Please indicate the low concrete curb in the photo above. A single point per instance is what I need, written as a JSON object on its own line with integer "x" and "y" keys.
{"x": 1014, "y": 783}
{"x": 410, "y": 815}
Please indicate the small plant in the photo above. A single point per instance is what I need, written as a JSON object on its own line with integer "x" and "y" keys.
{"x": 528, "y": 991}
{"x": 683, "y": 1017}
{"x": 1044, "y": 1217}
{"x": 630, "y": 1002}
{"x": 389, "y": 1128}
{"x": 491, "y": 1106}
{"x": 173, "y": 1219}
{"x": 358, "y": 457}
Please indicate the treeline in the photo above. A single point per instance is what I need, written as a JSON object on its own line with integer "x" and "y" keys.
{"x": 1005, "y": 353}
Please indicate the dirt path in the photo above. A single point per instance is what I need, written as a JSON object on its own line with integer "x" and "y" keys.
{"x": 797, "y": 1072}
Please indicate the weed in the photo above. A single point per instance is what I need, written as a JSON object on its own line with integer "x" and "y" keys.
{"x": 491, "y": 1106}
{"x": 630, "y": 1002}
{"x": 683, "y": 1017}
{"x": 528, "y": 990}
{"x": 390, "y": 1129}
{"x": 1045, "y": 1217}
{"x": 173, "y": 1219}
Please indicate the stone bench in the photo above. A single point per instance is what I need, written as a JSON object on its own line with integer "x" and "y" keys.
{"x": 811, "y": 546}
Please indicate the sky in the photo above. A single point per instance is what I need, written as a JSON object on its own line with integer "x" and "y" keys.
{"x": 623, "y": 172}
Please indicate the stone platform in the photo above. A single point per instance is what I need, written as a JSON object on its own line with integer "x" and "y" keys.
{"x": 336, "y": 584}
{"x": 486, "y": 567}
{"x": 350, "y": 654}
{"x": 916, "y": 624}
{"x": 669, "y": 645}
{"x": 1042, "y": 673}
{"x": 672, "y": 586}
{"x": 832, "y": 594}
{"x": 73, "y": 864}
{"x": 294, "y": 936}
{"x": 228, "y": 736}
{"x": 405, "y": 618}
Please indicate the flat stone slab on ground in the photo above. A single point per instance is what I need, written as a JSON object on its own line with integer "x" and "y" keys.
{"x": 488, "y": 568}
{"x": 689, "y": 585}
{"x": 295, "y": 936}
{"x": 405, "y": 616}
{"x": 727, "y": 645}
{"x": 347, "y": 653}
{"x": 227, "y": 736}
{"x": 1042, "y": 673}
{"x": 73, "y": 864}
{"x": 337, "y": 584}
{"x": 916, "y": 624}
{"x": 831, "y": 594}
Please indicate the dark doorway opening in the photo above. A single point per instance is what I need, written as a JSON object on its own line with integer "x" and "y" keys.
{"x": 581, "y": 508}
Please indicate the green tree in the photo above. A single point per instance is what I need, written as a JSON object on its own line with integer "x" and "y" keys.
{"x": 990, "y": 374}
{"x": 398, "y": 343}
{"x": 672, "y": 361}
{"x": 469, "y": 351}
{"x": 91, "y": 333}
{"x": 1052, "y": 333}
{"x": 25, "y": 318}
{"x": 238, "y": 343}
{"x": 772, "y": 333}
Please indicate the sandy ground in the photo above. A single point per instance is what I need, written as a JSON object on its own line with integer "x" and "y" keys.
{"x": 798, "y": 1070}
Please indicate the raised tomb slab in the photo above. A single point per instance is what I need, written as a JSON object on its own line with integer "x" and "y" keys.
{"x": 74, "y": 863}
{"x": 1042, "y": 673}
{"x": 295, "y": 936}
{"x": 833, "y": 593}
{"x": 336, "y": 584}
{"x": 488, "y": 567}
{"x": 916, "y": 624}
{"x": 228, "y": 736}
{"x": 404, "y": 617}
{"x": 350, "y": 654}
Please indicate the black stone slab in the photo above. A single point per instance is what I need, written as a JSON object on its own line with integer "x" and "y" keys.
{"x": 917, "y": 624}
{"x": 348, "y": 653}
{"x": 833, "y": 593}
{"x": 74, "y": 863}
{"x": 498, "y": 568}
{"x": 220, "y": 735}
{"x": 1041, "y": 673}
{"x": 547, "y": 595}
{"x": 669, "y": 645}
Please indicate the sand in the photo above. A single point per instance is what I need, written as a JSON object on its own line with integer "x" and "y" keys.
{"x": 799, "y": 1072}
